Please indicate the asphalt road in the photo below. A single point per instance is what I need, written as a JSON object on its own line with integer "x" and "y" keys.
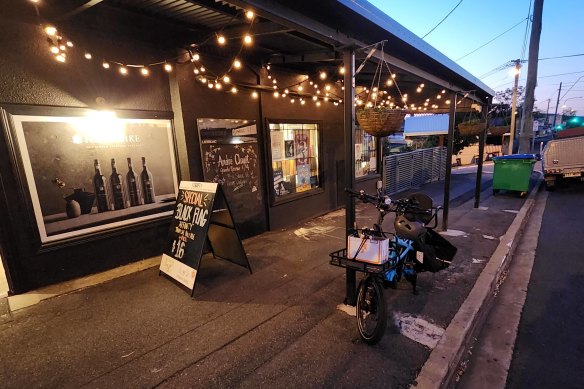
{"x": 549, "y": 349}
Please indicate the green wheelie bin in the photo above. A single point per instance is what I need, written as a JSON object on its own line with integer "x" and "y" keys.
{"x": 513, "y": 172}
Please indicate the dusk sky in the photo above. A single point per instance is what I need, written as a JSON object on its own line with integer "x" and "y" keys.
{"x": 475, "y": 22}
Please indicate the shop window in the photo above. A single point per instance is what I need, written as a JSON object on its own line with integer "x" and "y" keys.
{"x": 365, "y": 153}
{"x": 295, "y": 158}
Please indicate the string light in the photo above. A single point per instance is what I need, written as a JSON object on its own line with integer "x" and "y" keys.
{"x": 145, "y": 71}
{"x": 233, "y": 90}
{"x": 210, "y": 85}
{"x": 168, "y": 67}
{"x": 221, "y": 40}
{"x": 226, "y": 79}
{"x": 318, "y": 103}
{"x": 418, "y": 89}
{"x": 203, "y": 80}
{"x": 54, "y": 49}
{"x": 342, "y": 70}
{"x": 322, "y": 75}
{"x": 88, "y": 56}
{"x": 195, "y": 57}
{"x": 447, "y": 101}
{"x": 105, "y": 65}
{"x": 389, "y": 82}
{"x": 202, "y": 69}
{"x": 69, "y": 44}
{"x": 60, "y": 58}
{"x": 249, "y": 14}
{"x": 254, "y": 94}
{"x": 50, "y": 30}
{"x": 247, "y": 39}
{"x": 292, "y": 101}
{"x": 327, "y": 87}
{"x": 218, "y": 85}
{"x": 196, "y": 71}
{"x": 123, "y": 70}
{"x": 237, "y": 64}
{"x": 302, "y": 102}
{"x": 300, "y": 88}
{"x": 276, "y": 94}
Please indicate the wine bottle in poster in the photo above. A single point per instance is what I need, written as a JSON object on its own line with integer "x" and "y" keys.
{"x": 134, "y": 192}
{"x": 147, "y": 183}
{"x": 118, "y": 188}
{"x": 102, "y": 192}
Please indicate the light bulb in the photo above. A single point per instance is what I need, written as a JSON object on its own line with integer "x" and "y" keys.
{"x": 268, "y": 67}
{"x": 221, "y": 40}
{"x": 196, "y": 57}
{"x": 443, "y": 91}
{"x": 69, "y": 44}
{"x": 237, "y": 64}
{"x": 63, "y": 47}
{"x": 202, "y": 69}
{"x": 322, "y": 75}
{"x": 105, "y": 65}
{"x": 233, "y": 90}
{"x": 327, "y": 87}
{"x": 292, "y": 101}
{"x": 393, "y": 76}
{"x": 302, "y": 102}
{"x": 422, "y": 85}
{"x": 123, "y": 70}
{"x": 314, "y": 98}
{"x": 145, "y": 71}
{"x": 247, "y": 39}
{"x": 439, "y": 96}
{"x": 274, "y": 81}
{"x": 249, "y": 14}
{"x": 300, "y": 88}
{"x": 283, "y": 94}
{"x": 418, "y": 89}
{"x": 318, "y": 103}
{"x": 342, "y": 70}
{"x": 167, "y": 67}
{"x": 254, "y": 94}
{"x": 275, "y": 86}
{"x": 50, "y": 30}
{"x": 226, "y": 79}
{"x": 88, "y": 55}
{"x": 447, "y": 101}
{"x": 389, "y": 82}
{"x": 210, "y": 85}
{"x": 218, "y": 85}
{"x": 196, "y": 71}
{"x": 54, "y": 50}
{"x": 60, "y": 58}
{"x": 203, "y": 80}
{"x": 311, "y": 82}
{"x": 286, "y": 91}
{"x": 276, "y": 94}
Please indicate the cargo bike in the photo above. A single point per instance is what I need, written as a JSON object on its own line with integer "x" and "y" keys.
{"x": 386, "y": 257}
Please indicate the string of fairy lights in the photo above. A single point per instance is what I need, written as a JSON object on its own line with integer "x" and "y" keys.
{"x": 325, "y": 86}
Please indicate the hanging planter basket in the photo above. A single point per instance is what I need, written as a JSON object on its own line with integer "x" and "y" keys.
{"x": 471, "y": 128}
{"x": 380, "y": 121}
{"x": 498, "y": 130}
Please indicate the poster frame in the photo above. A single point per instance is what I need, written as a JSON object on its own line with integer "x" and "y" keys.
{"x": 31, "y": 215}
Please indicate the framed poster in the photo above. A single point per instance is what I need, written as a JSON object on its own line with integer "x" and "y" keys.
{"x": 87, "y": 172}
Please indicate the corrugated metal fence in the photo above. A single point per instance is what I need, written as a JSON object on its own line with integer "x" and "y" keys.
{"x": 413, "y": 169}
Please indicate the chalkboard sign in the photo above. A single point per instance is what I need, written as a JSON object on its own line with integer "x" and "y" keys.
{"x": 201, "y": 216}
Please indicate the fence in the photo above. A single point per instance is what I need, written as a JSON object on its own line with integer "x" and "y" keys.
{"x": 413, "y": 169}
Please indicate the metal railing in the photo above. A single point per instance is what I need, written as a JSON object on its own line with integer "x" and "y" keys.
{"x": 413, "y": 169}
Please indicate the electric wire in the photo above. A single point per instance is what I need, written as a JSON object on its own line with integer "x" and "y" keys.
{"x": 498, "y": 36}
{"x": 526, "y": 31}
{"x": 445, "y": 17}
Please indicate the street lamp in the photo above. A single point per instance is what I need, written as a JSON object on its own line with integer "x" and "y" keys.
{"x": 570, "y": 98}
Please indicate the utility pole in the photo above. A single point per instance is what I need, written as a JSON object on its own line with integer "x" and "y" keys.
{"x": 557, "y": 103}
{"x": 547, "y": 113}
{"x": 514, "y": 106}
{"x": 527, "y": 128}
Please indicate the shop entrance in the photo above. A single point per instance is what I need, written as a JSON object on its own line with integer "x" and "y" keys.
{"x": 230, "y": 156}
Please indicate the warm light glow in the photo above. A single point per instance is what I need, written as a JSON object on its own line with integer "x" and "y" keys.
{"x": 237, "y": 64}
{"x": 63, "y": 47}
{"x": 422, "y": 85}
{"x": 274, "y": 81}
{"x": 322, "y": 75}
{"x": 210, "y": 85}
{"x": 196, "y": 57}
{"x": 247, "y": 39}
{"x": 514, "y": 72}
{"x": 123, "y": 70}
{"x": 292, "y": 101}
{"x": 105, "y": 65}
{"x": 447, "y": 101}
{"x": 69, "y": 44}
{"x": 311, "y": 82}
{"x": 300, "y": 88}
{"x": 60, "y": 58}
{"x": 389, "y": 82}
{"x": 202, "y": 69}
{"x": 221, "y": 39}
{"x": 302, "y": 102}
{"x": 233, "y": 90}
{"x": 196, "y": 71}
{"x": 439, "y": 96}
{"x": 88, "y": 55}
{"x": 168, "y": 67}
{"x": 254, "y": 94}
{"x": 203, "y": 80}
{"x": 226, "y": 79}
{"x": 314, "y": 98}
{"x": 318, "y": 103}
{"x": 276, "y": 94}
{"x": 443, "y": 91}
{"x": 393, "y": 76}
{"x": 283, "y": 94}
{"x": 342, "y": 70}
{"x": 50, "y": 30}
{"x": 425, "y": 104}
{"x": 268, "y": 67}
{"x": 54, "y": 50}
{"x": 249, "y": 14}
{"x": 218, "y": 85}
{"x": 418, "y": 89}
{"x": 145, "y": 71}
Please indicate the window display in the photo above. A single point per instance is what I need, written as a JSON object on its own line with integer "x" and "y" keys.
{"x": 295, "y": 163}
{"x": 365, "y": 153}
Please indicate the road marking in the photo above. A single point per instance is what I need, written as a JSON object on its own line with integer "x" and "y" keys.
{"x": 348, "y": 309}
{"x": 454, "y": 233}
{"x": 489, "y": 237}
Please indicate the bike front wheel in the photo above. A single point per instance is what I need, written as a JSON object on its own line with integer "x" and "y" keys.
{"x": 371, "y": 311}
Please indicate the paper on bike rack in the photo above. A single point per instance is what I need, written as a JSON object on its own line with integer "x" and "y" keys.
{"x": 373, "y": 250}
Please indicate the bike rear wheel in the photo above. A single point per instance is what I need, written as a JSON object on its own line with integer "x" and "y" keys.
{"x": 371, "y": 311}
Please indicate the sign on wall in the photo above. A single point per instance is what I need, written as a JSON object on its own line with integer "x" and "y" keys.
{"x": 201, "y": 216}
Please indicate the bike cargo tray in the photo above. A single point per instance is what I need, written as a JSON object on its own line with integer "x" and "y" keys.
{"x": 339, "y": 258}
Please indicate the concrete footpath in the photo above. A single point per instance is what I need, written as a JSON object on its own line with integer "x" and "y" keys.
{"x": 282, "y": 326}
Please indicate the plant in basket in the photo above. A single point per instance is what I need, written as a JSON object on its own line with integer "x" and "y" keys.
{"x": 380, "y": 120}
{"x": 472, "y": 127}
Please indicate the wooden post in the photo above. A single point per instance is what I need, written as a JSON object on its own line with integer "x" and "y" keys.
{"x": 450, "y": 148}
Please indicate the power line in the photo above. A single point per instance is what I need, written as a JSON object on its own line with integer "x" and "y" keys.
{"x": 451, "y": 11}
{"x": 498, "y": 36}
{"x": 526, "y": 30}
{"x": 562, "y": 56}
